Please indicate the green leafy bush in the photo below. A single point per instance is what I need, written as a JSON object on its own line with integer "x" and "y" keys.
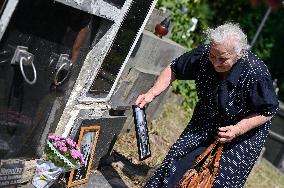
{"x": 184, "y": 13}
{"x": 187, "y": 89}
{"x": 188, "y": 33}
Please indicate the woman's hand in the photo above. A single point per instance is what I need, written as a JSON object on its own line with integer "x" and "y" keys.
{"x": 228, "y": 133}
{"x": 144, "y": 99}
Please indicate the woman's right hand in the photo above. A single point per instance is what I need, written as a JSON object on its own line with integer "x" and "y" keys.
{"x": 144, "y": 99}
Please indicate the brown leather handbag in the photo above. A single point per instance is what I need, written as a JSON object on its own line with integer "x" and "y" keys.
{"x": 204, "y": 170}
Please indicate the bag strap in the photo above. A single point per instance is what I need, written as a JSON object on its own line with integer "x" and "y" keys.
{"x": 218, "y": 155}
{"x": 216, "y": 162}
{"x": 215, "y": 159}
{"x": 208, "y": 150}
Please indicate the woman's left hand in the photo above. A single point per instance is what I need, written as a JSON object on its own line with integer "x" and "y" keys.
{"x": 228, "y": 133}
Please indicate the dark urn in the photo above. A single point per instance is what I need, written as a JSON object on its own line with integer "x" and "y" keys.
{"x": 162, "y": 28}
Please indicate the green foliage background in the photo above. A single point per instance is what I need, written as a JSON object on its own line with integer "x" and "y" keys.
{"x": 269, "y": 45}
{"x": 182, "y": 13}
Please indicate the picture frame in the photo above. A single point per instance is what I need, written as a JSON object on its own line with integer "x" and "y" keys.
{"x": 142, "y": 135}
{"x": 87, "y": 142}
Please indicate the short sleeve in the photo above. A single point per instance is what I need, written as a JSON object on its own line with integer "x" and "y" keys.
{"x": 187, "y": 65}
{"x": 263, "y": 98}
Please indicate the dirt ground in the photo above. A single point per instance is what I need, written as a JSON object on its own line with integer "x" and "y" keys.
{"x": 163, "y": 132}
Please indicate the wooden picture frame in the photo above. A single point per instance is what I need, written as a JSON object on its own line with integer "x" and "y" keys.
{"x": 87, "y": 142}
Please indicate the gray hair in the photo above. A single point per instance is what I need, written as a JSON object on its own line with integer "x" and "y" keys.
{"x": 229, "y": 30}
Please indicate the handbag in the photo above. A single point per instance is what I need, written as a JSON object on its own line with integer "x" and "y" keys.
{"x": 204, "y": 170}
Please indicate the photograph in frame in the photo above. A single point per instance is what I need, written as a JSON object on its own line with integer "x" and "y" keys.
{"x": 141, "y": 130}
{"x": 87, "y": 142}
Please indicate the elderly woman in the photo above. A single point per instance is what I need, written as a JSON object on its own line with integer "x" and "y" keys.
{"x": 236, "y": 103}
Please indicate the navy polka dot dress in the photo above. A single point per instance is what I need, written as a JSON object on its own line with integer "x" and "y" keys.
{"x": 248, "y": 89}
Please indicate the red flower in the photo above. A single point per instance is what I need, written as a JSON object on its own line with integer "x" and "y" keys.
{"x": 274, "y": 4}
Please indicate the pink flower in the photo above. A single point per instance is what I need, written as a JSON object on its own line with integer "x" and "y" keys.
{"x": 75, "y": 153}
{"x": 57, "y": 138}
{"x": 64, "y": 149}
{"x": 70, "y": 142}
{"x": 51, "y": 137}
{"x": 59, "y": 144}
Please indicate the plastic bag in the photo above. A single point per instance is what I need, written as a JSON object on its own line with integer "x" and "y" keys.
{"x": 46, "y": 173}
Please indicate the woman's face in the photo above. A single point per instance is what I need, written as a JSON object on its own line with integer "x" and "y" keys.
{"x": 222, "y": 57}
